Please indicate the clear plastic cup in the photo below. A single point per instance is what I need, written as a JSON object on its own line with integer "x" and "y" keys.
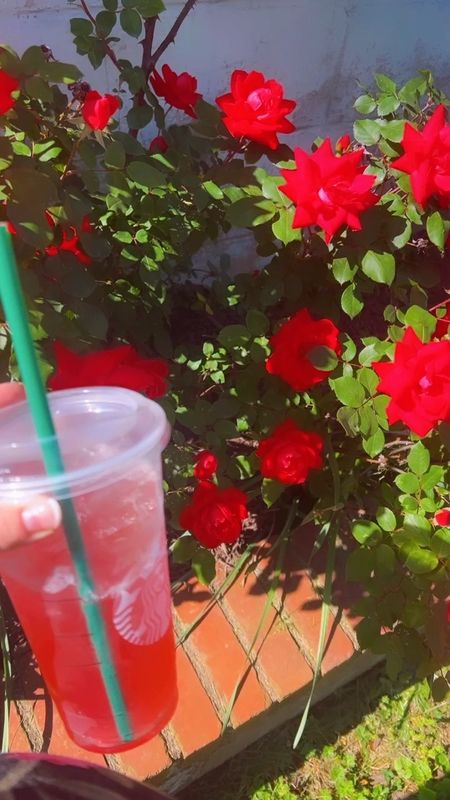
{"x": 111, "y": 440}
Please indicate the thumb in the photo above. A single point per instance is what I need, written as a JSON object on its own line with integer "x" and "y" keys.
{"x": 26, "y": 523}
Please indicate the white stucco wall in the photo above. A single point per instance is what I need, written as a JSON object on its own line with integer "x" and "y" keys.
{"x": 317, "y": 48}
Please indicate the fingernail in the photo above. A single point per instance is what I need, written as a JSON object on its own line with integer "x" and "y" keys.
{"x": 44, "y": 516}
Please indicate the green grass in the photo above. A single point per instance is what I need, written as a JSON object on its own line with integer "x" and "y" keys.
{"x": 373, "y": 739}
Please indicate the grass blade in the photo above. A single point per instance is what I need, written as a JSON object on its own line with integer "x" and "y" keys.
{"x": 224, "y": 586}
{"x": 324, "y": 617}
{"x": 282, "y": 542}
{"x": 7, "y": 672}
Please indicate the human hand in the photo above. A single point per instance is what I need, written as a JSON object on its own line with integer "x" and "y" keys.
{"x": 29, "y": 521}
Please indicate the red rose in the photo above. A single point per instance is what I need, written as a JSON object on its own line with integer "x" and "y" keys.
{"x": 443, "y": 323}
{"x": 255, "y": 108}
{"x": 426, "y": 159}
{"x": 214, "y": 516}
{"x": 206, "y": 465}
{"x": 8, "y": 84}
{"x": 158, "y": 145}
{"x": 70, "y": 242}
{"x": 329, "y": 190}
{"x": 119, "y": 366}
{"x": 98, "y": 109}
{"x": 442, "y": 517}
{"x": 418, "y": 383}
{"x": 179, "y": 91}
{"x": 343, "y": 143}
{"x": 289, "y": 454}
{"x": 291, "y": 345}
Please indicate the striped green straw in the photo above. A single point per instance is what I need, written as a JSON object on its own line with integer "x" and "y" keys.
{"x": 12, "y": 299}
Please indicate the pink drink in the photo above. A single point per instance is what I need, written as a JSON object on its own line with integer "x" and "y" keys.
{"x": 121, "y": 517}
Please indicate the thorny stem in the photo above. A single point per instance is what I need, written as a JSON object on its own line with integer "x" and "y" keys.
{"x": 149, "y": 59}
{"x": 170, "y": 38}
{"x": 71, "y": 157}
{"x": 108, "y": 50}
{"x": 147, "y": 44}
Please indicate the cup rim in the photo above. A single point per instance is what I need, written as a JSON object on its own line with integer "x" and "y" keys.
{"x": 67, "y": 483}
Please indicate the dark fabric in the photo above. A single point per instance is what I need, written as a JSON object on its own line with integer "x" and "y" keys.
{"x": 31, "y": 777}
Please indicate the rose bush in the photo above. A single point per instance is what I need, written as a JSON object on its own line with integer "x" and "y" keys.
{"x": 319, "y": 375}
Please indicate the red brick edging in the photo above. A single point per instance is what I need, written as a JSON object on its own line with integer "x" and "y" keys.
{"x": 212, "y": 660}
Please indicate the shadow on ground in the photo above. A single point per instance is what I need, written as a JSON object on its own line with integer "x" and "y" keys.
{"x": 371, "y": 739}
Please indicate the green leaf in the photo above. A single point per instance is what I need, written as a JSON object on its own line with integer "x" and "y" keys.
{"x": 59, "y": 72}
{"x": 204, "y": 566}
{"x": 343, "y": 271}
{"x": 386, "y": 519}
{"x": 213, "y": 190}
{"x": 271, "y": 491}
{"x": 348, "y": 418}
{"x": 365, "y": 104}
{"x": 422, "y": 321}
{"x": 384, "y": 83}
{"x": 368, "y": 378}
{"x": 91, "y": 319}
{"x": 256, "y": 322}
{"x": 411, "y": 91}
{"x": 184, "y": 548}
{"x": 76, "y": 281}
{"x": 379, "y": 267}
{"x": 374, "y": 444}
{"x": 39, "y": 89}
{"x": 440, "y": 691}
{"x": 149, "y": 8}
{"x": 436, "y": 229}
{"x": 350, "y": 302}
{"x": 368, "y": 633}
{"x": 366, "y": 131}
{"x": 110, "y": 5}
{"x": 139, "y": 116}
{"x": 385, "y": 559}
{"x": 131, "y": 22}
{"x": 115, "y": 155}
{"x": 79, "y": 26}
{"x": 145, "y": 175}
{"x": 359, "y": 564}
{"x": 420, "y": 560}
{"x": 434, "y": 476}
{"x": 104, "y": 22}
{"x": 348, "y": 391}
{"x": 401, "y": 239}
{"x": 234, "y": 336}
{"x": 387, "y": 104}
{"x": 440, "y": 543}
{"x": 418, "y": 459}
{"x": 323, "y": 358}
{"x": 248, "y": 212}
{"x": 417, "y": 527}
{"x": 6, "y": 153}
{"x": 366, "y": 532}
{"x": 368, "y": 421}
{"x": 32, "y": 189}
{"x": 95, "y": 245}
{"x": 393, "y": 130}
{"x": 283, "y": 229}
{"x": 407, "y": 482}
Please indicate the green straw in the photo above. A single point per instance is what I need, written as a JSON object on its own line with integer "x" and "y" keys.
{"x": 13, "y": 302}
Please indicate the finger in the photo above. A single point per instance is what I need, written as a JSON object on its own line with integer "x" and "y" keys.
{"x": 11, "y": 393}
{"x": 21, "y": 524}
